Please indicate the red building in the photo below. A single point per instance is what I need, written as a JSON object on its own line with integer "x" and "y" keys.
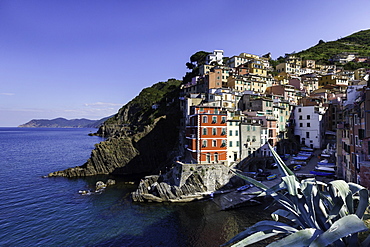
{"x": 206, "y": 135}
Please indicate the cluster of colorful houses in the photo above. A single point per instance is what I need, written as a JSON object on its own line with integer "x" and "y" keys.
{"x": 236, "y": 105}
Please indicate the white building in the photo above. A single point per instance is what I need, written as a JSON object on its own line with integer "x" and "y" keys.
{"x": 224, "y": 97}
{"x": 309, "y": 125}
{"x": 233, "y": 141}
{"x": 289, "y": 68}
{"x": 217, "y": 57}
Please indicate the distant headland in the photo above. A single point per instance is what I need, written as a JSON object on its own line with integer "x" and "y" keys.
{"x": 64, "y": 123}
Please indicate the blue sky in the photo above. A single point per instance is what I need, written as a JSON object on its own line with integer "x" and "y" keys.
{"x": 85, "y": 59}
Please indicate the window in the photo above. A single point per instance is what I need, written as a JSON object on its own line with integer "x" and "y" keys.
{"x": 270, "y": 133}
{"x": 214, "y": 143}
{"x": 300, "y": 124}
{"x": 308, "y": 124}
{"x": 223, "y": 119}
{"x": 236, "y": 132}
{"x": 204, "y": 131}
{"x": 223, "y": 144}
{"x": 208, "y": 157}
{"x": 237, "y": 143}
{"x": 214, "y": 119}
{"x": 300, "y": 117}
{"x": 214, "y": 131}
{"x": 253, "y": 138}
{"x": 230, "y": 133}
{"x": 230, "y": 144}
{"x": 204, "y": 144}
{"x": 307, "y": 134}
{"x": 205, "y": 119}
{"x": 223, "y": 131}
{"x": 308, "y": 117}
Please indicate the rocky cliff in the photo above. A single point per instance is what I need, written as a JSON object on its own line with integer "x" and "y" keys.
{"x": 183, "y": 183}
{"x": 141, "y": 138}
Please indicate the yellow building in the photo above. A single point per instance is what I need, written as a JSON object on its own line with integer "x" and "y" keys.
{"x": 332, "y": 79}
{"x": 289, "y": 68}
{"x": 257, "y": 67}
{"x": 247, "y": 83}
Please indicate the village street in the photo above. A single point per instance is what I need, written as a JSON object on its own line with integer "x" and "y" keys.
{"x": 311, "y": 166}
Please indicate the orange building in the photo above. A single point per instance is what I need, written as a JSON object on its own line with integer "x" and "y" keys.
{"x": 206, "y": 135}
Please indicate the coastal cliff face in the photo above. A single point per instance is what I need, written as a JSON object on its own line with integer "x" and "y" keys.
{"x": 141, "y": 138}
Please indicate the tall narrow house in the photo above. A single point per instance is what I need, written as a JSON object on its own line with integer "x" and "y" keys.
{"x": 206, "y": 135}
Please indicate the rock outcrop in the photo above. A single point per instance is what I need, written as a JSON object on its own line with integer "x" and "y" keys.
{"x": 142, "y": 137}
{"x": 185, "y": 182}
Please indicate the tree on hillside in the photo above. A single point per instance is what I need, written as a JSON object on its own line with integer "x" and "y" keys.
{"x": 199, "y": 58}
{"x": 196, "y": 60}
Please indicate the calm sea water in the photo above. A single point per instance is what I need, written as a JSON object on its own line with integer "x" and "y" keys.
{"x": 37, "y": 211}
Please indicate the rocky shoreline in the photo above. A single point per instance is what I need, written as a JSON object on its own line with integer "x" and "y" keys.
{"x": 183, "y": 183}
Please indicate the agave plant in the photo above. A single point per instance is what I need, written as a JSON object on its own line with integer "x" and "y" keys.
{"x": 314, "y": 213}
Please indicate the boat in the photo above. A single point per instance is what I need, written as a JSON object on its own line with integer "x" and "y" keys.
{"x": 324, "y": 169}
{"x": 301, "y": 158}
{"x": 298, "y": 162}
{"x": 318, "y": 173}
{"x": 302, "y": 153}
{"x": 307, "y": 149}
{"x": 297, "y": 167}
{"x": 325, "y": 155}
{"x": 271, "y": 177}
{"x": 304, "y": 175}
{"x": 325, "y": 163}
{"x": 327, "y": 166}
{"x": 244, "y": 187}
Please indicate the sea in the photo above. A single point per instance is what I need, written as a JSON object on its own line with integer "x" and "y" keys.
{"x": 40, "y": 211}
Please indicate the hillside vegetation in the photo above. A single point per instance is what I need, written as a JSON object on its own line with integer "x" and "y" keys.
{"x": 151, "y": 103}
{"x": 358, "y": 43}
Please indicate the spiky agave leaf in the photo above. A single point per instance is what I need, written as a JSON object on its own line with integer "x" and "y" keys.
{"x": 265, "y": 226}
{"x": 254, "y": 238}
{"x": 310, "y": 193}
{"x": 294, "y": 218}
{"x": 340, "y": 189}
{"x": 363, "y": 198}
{"x": 284, "y": 170}
{"x": 250, "y": 180}
{"x": 341, "y": 228}
{"x": 298, "y": 239}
